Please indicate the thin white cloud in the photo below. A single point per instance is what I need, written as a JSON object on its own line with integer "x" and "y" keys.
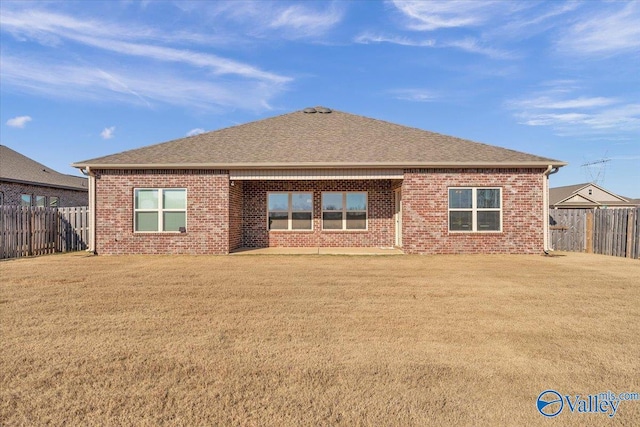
{"x": 272, "y": 18}
{"x": 368, "y": 38}
{"x": 71, "y": 81}
{"x": 42, "y": 25}
{"x": 577, "y": 115}
{"x": 605, "y": 32}
{"x": 107, "y": 133}
{"x": 208, "y": 81}
{"x": 533, "y": 19}
{"x": 50, "y": 27}
{"x": 433, "y": 15}
{"x": 473, "y": 46}
{"x": 196, "y": 131}
{"x": 19, "y": 122}
{"x": 468, "y": 45}
{"x": 304, "y": 22}
{"x": 548, "y": 102}
{"x": 415, "y": 95}
{"x": 123, "y": 86}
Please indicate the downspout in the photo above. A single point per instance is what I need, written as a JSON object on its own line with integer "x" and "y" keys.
{"x": 545, "y": 201}
{"x": 92, "y": 209}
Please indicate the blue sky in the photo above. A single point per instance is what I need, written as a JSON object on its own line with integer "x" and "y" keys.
{"x": 559, "y": 79}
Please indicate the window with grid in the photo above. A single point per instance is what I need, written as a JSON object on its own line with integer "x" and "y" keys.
{"x": 475, "y": 209}
{"x": 160, "y": 209}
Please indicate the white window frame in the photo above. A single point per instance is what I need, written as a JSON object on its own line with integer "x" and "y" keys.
{"x": 345, "y": 210}
{"x": 474, "y": 209}
{"x": 160, "y": 210}
{"x": 290, "y": 211}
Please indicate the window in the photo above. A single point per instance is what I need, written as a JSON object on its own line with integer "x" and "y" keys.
{"x": 25, "y": 200}
{"x": 160, "y": 209}
{"x": 475, "y": 209}
{"x": 1, "y": 198}
{"x": 290, "y": 211}
{"x": 53, "y": 202}
{"x": 40, "y": 201}
{"x": 344, "y": 211}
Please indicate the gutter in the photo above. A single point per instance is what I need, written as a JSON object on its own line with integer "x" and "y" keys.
{"x": 92, "y": 208}
{"x": 551, "y": 169}
{"x": 317, "y": 165}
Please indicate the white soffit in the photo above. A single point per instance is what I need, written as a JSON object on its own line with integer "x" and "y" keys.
{"x": 315, "y": 174}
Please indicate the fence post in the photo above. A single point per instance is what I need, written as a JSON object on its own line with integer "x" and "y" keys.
{"x": 589, "y": 232}
{"x": 629, "y": 248}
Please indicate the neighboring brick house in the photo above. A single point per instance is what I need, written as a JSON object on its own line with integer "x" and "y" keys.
{"x": 587, "y": 196}
{"x": 25, "y": 182}
{"x": 318, "y": 178}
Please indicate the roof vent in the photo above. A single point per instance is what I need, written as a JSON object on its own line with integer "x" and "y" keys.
{"x": 323, "y": 110}
{"x": 309, "y": 110}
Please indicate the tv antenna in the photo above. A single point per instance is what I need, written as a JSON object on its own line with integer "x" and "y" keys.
{"x": 596, "y": 170}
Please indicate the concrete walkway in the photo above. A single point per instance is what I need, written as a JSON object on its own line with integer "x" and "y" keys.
{"x": 317, "y": 251}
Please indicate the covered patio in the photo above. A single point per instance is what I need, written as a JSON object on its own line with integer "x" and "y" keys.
{"x": 317, "y": 251}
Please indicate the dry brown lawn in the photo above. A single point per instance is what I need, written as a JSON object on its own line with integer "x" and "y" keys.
{"x": 315, "y": 340}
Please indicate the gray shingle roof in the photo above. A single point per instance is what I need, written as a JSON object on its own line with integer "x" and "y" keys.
{"x": 15, "y": 167}
{"x": 335, "y": 139}
{"x": 558, "y": 194}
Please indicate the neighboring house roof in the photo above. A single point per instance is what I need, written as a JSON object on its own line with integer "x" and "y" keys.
{"x": 587, "y": 195}
{"x": 15, "y": 167}
{"x": 319, "y": 137}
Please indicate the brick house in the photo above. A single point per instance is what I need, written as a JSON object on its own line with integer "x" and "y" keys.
{"x": 319, "y": 178}
{"x": 25, "y": 182}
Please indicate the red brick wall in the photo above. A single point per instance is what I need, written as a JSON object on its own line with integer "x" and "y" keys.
{"x": 425, "y": 211}
{"x": 380, "y": 232}
{"x": 221, "y": 217}
{"x": 235, "y": 215}
{"x": 207, "y": 212}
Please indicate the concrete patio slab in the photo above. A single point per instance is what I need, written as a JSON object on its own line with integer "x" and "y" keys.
{"x": 317, "y": 251}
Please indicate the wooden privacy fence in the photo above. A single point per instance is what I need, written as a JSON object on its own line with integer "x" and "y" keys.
{"x": 27, "y": 231}
{"x": 602, "y": 231}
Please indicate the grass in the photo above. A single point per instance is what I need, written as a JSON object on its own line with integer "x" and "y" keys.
{"x": 315, "y": 340}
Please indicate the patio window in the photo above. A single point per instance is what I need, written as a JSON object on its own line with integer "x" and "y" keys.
{"x": 344, "y": 211}
{"x": 475, "y": 209}
{"x": 290, "y": 211}
{"x": 40, "y": 201}
{"x": 160, "y": 210}
{"x": 25, "y": 200}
